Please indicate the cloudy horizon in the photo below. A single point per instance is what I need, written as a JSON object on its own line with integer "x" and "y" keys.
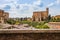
{"x": 25, "y": 8}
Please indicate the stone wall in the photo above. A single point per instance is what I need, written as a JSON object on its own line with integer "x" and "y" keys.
{"x": 30, "y": 36}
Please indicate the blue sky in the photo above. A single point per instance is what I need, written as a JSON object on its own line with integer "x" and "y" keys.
{"x": 25, "y": 8}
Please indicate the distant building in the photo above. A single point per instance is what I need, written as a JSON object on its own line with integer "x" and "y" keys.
{"x": 3, "y": 16}
{"x": 29, "y": 19}
{"x": 40, "y": 16}
{"x": 56, "y": 17}
{"x": 6, "y": 15}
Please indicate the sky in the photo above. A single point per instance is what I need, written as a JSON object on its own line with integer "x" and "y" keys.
{"x": 25, "y": 8}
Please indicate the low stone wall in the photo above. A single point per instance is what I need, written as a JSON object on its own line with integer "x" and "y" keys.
{"x": 32, "y": 35}
{"x": 54, "y": 25}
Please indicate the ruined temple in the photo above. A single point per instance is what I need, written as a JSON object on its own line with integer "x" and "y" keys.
{"x": 3, "y": 16}
{"x": 41, "y": 15}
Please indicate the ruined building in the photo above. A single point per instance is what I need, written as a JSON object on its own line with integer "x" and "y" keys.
{"x": 40, "y": 16}
{"x": 3, "y": 16}
{"x": 56, "y": 17}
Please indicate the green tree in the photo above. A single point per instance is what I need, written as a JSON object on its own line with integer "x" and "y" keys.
{"x": 58, "y": 20}
{"x": 48, "y": 18}
{"x": 11, "y": 21}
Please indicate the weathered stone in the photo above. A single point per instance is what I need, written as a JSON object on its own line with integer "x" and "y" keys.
{"x": 30, "y": 36}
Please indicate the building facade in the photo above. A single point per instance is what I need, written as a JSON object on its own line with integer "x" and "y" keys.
{"x": 40, "y": 16}
{"x": 3, "y": 16}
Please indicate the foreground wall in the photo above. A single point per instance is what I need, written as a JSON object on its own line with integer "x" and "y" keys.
{"x": 31, "y": 36}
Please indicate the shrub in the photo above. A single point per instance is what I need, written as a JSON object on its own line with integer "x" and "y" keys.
{"x": 45, "y": 27}
{"x": 42, "y": 27}
{"x": 17, "y": 22}
{"x": 11, "y": 21}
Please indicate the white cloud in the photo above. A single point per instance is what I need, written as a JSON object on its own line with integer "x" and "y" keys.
{"x": 38, "y": 2}
{"x": 58, "y": 1}
{"x": 51, "y": 4}
{"x": 14, "y": 12}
